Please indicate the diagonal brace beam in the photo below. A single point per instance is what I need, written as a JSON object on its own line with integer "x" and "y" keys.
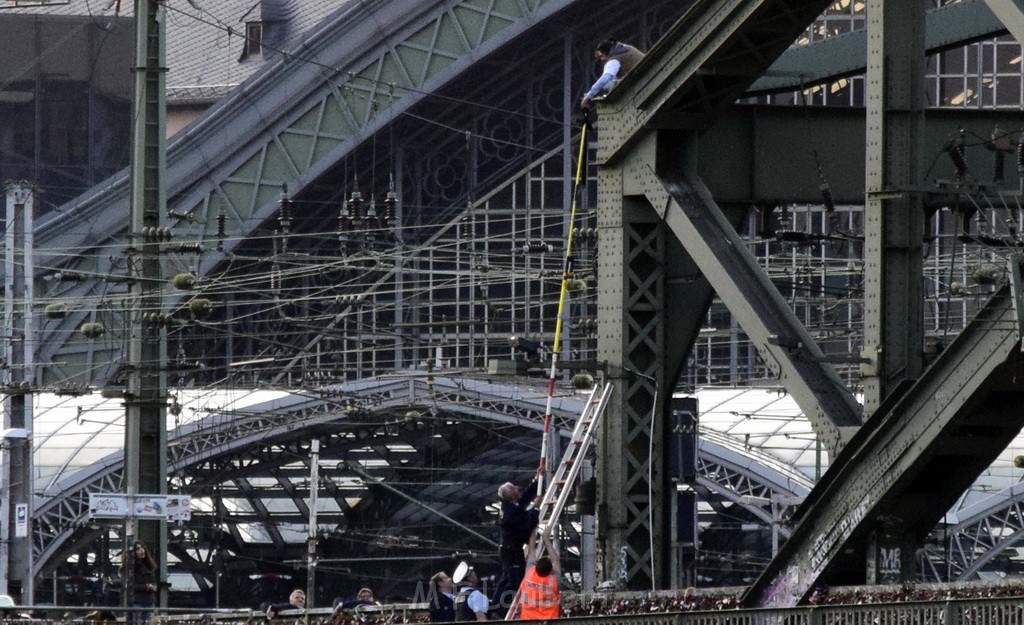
{"x": 910, "y": 461}
{"x": 1011, "y": 14}
{"x": 782, "y": 341}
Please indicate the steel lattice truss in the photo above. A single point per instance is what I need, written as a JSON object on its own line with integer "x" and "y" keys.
{"x": 960, "y": 551}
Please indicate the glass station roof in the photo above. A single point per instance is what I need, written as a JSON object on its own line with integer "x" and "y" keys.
{"x": 73, "y": 432}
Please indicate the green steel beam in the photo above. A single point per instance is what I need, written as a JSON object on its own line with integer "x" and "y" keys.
{"x": 770, "y": 154}
{"x": 631, "y": 339}
{"x": 701, "y": 65}
{"x": 894, "y": 221}
{"x": 949, "y": 26}
{"x": 741, "y": 283}
{"x": 1010, "y": 13}
{"x": 910, "y": 461}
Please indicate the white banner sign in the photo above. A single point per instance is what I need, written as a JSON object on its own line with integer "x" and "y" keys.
{"x": 121, "y": 506}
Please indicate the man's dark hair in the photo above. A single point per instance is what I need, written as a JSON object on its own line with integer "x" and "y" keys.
{"x": 605, "y": 47}
{"x": 543, "y": 566}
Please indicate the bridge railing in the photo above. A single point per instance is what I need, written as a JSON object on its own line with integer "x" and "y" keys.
{"x": 980, "y": 611}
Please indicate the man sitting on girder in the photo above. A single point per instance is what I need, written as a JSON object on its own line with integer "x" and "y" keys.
{"x": 618, "y": 58}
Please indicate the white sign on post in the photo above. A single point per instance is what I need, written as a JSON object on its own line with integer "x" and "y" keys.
{"x": 21, "y": 520}
{"x": 150, "y": 507}
{"x": 179, "y": 508}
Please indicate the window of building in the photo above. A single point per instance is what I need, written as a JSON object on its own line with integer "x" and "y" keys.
{"x": 253, "y": 38}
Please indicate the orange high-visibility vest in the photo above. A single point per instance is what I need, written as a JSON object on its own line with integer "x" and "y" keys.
{"x": 541, "y": 599}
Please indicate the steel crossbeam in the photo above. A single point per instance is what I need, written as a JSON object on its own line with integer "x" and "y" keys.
{"x": 946, "y": 27}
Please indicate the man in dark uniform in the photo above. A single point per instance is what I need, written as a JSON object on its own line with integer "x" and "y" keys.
{"x": 441, "y": 599}
{"x": 470, "y": 604}
{"x": 517, "y": 521}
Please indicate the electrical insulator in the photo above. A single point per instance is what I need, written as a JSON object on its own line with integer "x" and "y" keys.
{"x": 178, "y": 215}
{"x": 827, "y": 199}
{"x": 156, "y": 235}
{"x": 988, "y": 274}
{"x": 92, "y": 330}
{"x": 536, "y": 247}
{"x": 1020, "y": 157}
{"x": 57, "y": 310}
{"x": 956, "y": 155}
{"x": 284, "y": 218}
{"x": 356, "y": 206}
{"x": 184, "y": 281}
{"x": 200, "y": 307}
{"x": 344, "y": 219}
{"x": 351, "y": 299}
{"x": 585, "y": 235}
{"x": 189, "y": 248}
{"x": 156, "y": 319}
{"x": 222, "y": 220}
{"x": 575, "y": 285}
{"x": 582, "y": 381}
{"x": 391, "y": 208}
{"x": 68, "y": 276}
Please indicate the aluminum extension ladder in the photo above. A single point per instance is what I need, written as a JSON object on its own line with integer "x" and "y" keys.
{"x": 557, "y": 493}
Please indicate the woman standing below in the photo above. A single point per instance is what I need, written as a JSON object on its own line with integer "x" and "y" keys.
{"x": 142, "y": 583}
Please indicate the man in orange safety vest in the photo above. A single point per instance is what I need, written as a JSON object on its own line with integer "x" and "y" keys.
{"x": 539, "y": 591}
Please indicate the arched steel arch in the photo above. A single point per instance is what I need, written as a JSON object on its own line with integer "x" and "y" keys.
{"x": 64, "y": 508}
{"x": 59, "y": 524}
{"x": 288, "y": 124}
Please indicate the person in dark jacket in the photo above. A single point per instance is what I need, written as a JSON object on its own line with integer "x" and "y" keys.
{"x": 138, "y": 572}
{"x": 441, "y": 598}
{"x": 471, "y": 603}
{"x": 296, "y": 601}
{"x": 517, "y": 520}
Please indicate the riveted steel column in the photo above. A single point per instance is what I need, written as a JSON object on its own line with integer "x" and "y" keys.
{"x": 631, "y": 339}
{"x": 894, "y": 227}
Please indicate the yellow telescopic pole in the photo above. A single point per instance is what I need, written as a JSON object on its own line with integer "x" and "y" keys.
{"x": 567, "y": 273}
